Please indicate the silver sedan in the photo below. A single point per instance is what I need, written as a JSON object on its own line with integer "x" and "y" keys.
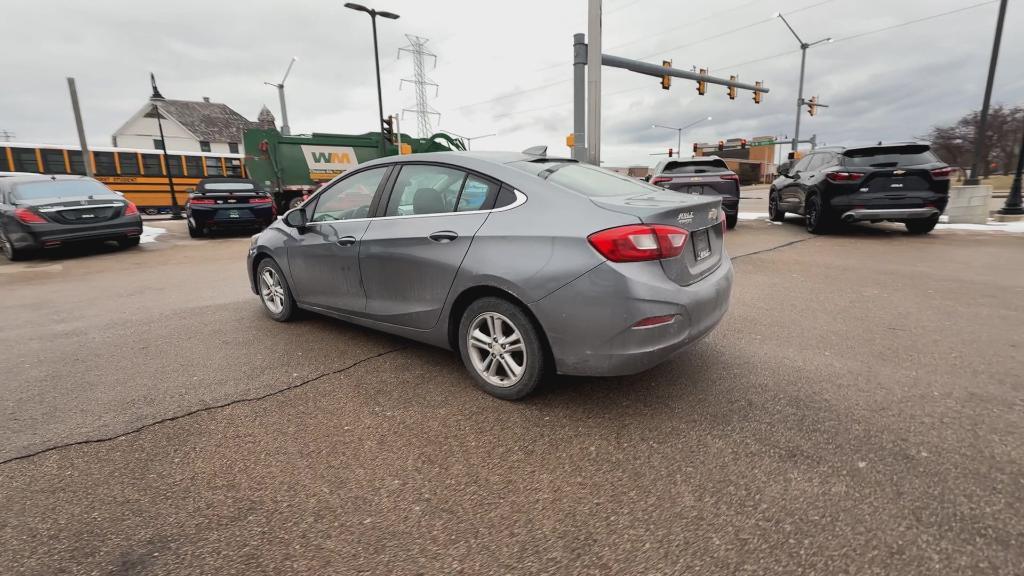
{"x": 525, "y": 264}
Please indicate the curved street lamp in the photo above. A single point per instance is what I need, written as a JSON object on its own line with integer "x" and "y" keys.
{"x": 679, "y": 131}
{"x": 376, "y": 58}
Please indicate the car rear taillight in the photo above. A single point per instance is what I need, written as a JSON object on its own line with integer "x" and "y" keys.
{"x": 942, "y": 173}
{"x": 260, "y": 200}
{"x": 202, "y": 201}
{"x": 735, "y": 178}
{"x": 660, "y": 180}
{"x": 26, "y": 216}
{"x": 844, "y": 176}
{"x": 130, "y": 209}
{"x": 639, "y": 242}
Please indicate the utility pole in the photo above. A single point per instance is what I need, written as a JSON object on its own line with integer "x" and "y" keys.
{"x": 594, "y": 83}
{"x": 423, "y": 110}
{"x": 579, "y": 93}
{"x": 285, "y": 128}
{"x": 155, "y": 98}
{"x": 980, "y": 159}
{"x": 376, "y": 58}
{"x": 803, "y": 65}
{"x": 86, "y": 157}
{"x": 679, "y": 132}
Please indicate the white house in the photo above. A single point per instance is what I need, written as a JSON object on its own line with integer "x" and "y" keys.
{"x": 189, "y": 126}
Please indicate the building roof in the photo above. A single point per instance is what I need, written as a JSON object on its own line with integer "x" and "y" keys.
{"x": 208, "y": 121}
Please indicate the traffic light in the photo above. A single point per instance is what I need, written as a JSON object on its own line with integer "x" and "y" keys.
{"x": 669, "y": 152}
{"x": 695, "y": 148}
{"x": 812, "y": 105}
{"x": 570, "y": 140}
{"x": 743, "y": 143}
{"x": 666, "y": 80}
{"x": 757, "y": 94}
{"x": 387, "y": 127}
{"x": 702, "y": 86}
{"x": 721, "y": 145}
{"x": 732, "y": 89}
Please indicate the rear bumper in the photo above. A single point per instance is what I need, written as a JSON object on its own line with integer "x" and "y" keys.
{"x": 589, "y": 322}
{"x": 890, "y": 214}
{"x": 220, "y": 218}
{"x": 35, "y": 236}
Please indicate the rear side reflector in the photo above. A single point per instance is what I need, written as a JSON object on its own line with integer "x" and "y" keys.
{"x": 942, "y": 173}
{"x": 202, "y": 201}
{"x": 26, "y": 216}
{"x": 639, "y": 242}
{"x": 655, "y": 321}
{"x": 130, "y": 209}
{"x": 844, "y": 176}
{"x": 657, "y": 181}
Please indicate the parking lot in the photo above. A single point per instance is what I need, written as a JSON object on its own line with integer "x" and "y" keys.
{"x": 858, "y": 412}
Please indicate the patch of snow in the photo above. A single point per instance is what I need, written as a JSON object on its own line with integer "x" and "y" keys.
{"x": 149, "y": 234}
{"x": 753, "y": 215}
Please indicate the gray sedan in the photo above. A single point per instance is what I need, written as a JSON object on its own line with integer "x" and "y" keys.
{"x": 523, "y": 263}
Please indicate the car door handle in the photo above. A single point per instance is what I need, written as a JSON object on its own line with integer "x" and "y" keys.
{"x": 346, "y": 241}
{"x": 443, "y": 236}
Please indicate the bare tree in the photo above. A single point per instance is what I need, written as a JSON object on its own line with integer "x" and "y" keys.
{"x": 955, "y": 143}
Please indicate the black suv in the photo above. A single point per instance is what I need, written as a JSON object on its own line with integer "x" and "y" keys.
{"x": 900, "y": 182}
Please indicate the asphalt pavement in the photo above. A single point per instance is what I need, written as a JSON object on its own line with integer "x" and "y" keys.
{"x": 859, "y": 411}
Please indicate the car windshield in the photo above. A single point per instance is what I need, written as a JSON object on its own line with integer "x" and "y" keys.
{"x": 889, "y": 156}
{"x": 60, "y": 189}
{"x": 696, "y": 167}
{"x": 590, "y": 180}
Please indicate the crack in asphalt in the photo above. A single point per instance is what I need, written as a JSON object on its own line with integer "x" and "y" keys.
{"x": 773, "y": 248}
{"x": 203, "y": 409}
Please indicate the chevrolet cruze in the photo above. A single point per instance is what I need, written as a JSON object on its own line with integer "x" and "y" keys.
{"x": 522, "y": 263}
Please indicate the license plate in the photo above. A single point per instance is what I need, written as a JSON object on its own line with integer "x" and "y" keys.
{"x": 701, "y": 244}
{"x": 233, "y": 214}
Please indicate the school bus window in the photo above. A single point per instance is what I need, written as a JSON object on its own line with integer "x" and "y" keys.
{"x": 53, "y": 162}
{"x": 174, "y": 165}
{"x": 151, "y": 165}
{"x": 129, "y": 163}
{"x": 235, "y": 167}
{"x": 194, "y": 164}
{"x": 104, "y": 163}
{"x": 25, "y": 160}
{"x": 213, "y": 166}
{"x": 3, "y": 161}
{"x": 75, "y": 159}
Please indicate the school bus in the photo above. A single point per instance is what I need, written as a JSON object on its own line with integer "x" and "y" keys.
{"x": 141, "y": 175}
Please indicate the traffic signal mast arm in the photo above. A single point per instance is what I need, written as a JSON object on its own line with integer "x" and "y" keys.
{"x": 660, "y": 71}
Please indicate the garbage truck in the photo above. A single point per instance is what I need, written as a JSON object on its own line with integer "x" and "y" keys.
{"x": 292, "y": 167}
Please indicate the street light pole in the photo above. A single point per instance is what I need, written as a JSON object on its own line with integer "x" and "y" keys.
{"x": 376, "y": 58}
{"x": 978, "y": 164}
{"x": 679, "y": 131}
{"x": 156, "y": 97}
{"x": 285, "y": 128}
{"x": 803, "y": 64}
{"x": 469, "y": 139}
{"x": 1013, "y": 204}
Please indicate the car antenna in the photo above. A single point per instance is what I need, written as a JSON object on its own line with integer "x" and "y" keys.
{"x": 536, "y": 151}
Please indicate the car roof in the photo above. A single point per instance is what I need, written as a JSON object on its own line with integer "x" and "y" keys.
{"x": 21, "y": 177}
{"x": 877, "y": 144}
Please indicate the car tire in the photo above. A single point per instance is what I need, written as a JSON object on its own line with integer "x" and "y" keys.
{"x": 13, "y": 253}
{"x": 730, "y": 220}
{"x": 494, "y": 368}
{"x": 921, "y": 226}
{"x": 775, "y": 214}
{"x": 128, "y": 242}
{"x": 194, "y": 232}
{"x": 815, "y": 216}
{"x": 295, "y": 202}
{"x": 274, "y": 291}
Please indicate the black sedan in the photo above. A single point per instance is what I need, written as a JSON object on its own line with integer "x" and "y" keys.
{"x": 39, "y": 212}
{"x": 228, "y": 204}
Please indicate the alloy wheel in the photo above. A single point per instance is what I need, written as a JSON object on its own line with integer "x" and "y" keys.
{"x": 271, "y": 291}
{"x": 496, "y": 349}
{"x": 811, "y": 215}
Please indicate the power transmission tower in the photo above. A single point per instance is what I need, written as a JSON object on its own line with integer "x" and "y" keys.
{"x": 423, "y": 110}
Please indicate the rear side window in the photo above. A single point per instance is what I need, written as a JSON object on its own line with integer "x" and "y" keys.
{"x": 889, "y": 156}
{"x": 696, "y": 167}
{"x": 475, "y": 193}
{"x": 427, "y": 189}
{"x": 591, "y": 181}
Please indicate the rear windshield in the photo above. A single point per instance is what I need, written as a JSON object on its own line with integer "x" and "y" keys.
{"x": 590, "y": 180}
{"x": 696, "y": 167}
{"x": 60, "y": 189}
{"x": 229, "y": 186}
{"x": 889, "y": 156}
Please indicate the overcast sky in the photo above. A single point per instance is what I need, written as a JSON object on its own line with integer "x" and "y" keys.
{"x": 505, "y": 67}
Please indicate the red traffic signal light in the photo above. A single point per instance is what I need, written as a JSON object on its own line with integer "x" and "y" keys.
{"x": 743, "y": 142}
{"x": 666, "y": 80}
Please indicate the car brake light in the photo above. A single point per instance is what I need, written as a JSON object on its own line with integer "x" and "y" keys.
{"x": 130, "y": 209}
{"x": 639, "y": 242}
{"x": 844, "y": 176}
{"x": 26, "y": 216}
{"x": 260, "y": 200}
{"x": 942, "y": 173}
{"x": 202, "y": 201}
{"x": 660, "y": 180}
{"x": 733, "y": 177}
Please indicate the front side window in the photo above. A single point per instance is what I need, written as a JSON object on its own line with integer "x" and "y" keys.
{"x": 802, "y": 165}
{"x": 349, "y": 198}
{"x": 425, "y": 189}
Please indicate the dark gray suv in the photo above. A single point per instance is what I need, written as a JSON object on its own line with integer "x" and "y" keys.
{"x": 702, "y": 175}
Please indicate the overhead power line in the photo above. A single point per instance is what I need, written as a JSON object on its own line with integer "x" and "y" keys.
{"x": 909, "y": 22}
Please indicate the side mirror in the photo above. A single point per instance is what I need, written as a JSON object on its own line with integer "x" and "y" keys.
{"x": 784, "y": 169}
{"x": 296, "y": 218}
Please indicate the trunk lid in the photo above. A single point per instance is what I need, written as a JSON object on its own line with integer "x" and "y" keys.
{"x": 700, "y": 184}
{"x": 77, "y": 211}
{"x": 698, "y": 215}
